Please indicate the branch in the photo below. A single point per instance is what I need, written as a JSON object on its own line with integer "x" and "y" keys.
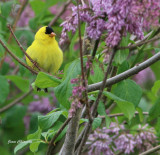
{"x": 33, "y": 62}
{"x": 121, "y": 114}
{"x": 89, "y": 124}
{"x": 50, "y": 148}
{"x": 131, "y": 47}
{"x": 152, "y": 150}
{"x": 16, "y": 58}
{"x": 14, "y": 26}
{"x": 82, "y": 69}
{"x": 60, "y": 12}
{"x": 125, "y": 74}
{"x": 71, "y": 135}
{"x": 15, "y": 102}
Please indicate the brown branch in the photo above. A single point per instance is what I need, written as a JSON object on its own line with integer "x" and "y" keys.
{"x": 33, "y": 62}
{"x": 131, "y": 47}
{"x": 14, "y": 26}
{"x": 16, "y": 58}
{"x": 152, "y": 150}
{"x": 51, "y": 147}
{"x": 121, "y": 114}
{"x": 60, "y": 12}
{"x": 71, "y": 135}
{"x": 89, "y": 124}
{"x": 82, "y": 69}
{"x": 15, "y": 102}
{"x": 126, "y": 74}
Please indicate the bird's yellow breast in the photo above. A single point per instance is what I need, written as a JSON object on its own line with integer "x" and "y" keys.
{"x": 48, "y": 55}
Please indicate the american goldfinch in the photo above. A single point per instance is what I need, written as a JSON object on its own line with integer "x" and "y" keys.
{"x": 45, "y": 51}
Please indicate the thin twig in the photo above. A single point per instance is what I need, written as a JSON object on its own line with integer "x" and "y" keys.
{"x": 51, "y": 147}
{"x": 14, "y": 26}
{"x": 82, "y": 69}
{"x": 131, "y": 47}
{"x": 33, "y": 62}
{"x": 16, "y": 58}
{"x": 125, "y": 74}
{"x": 152, "y": 150}
{"x": 60, "y": 12}
{"x": 89, "y": 124}
{"x": 15, "y": 102}
{"x": 121, "y": 114}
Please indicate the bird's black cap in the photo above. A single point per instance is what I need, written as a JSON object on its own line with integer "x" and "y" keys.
{"x": 49, "y": 30}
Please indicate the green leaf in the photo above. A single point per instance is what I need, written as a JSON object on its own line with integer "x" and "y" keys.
{"x": 64, "y": 90}
{"x": 154, "y": 111}
{"x": 6, "y": 8}
{"x": 21, "y": 146}
{"x": 140, "y": 113}
{"x": 126, "y": 107}
{"x": 4, "y": 89}
{"x": 96, "y": 123}
{"x": 98, "y": 73}
{"x": 156, "y": 87}
{"x": 108, "y": 121}
{"x": 129, "y": 91}
{"x": 21, "y": 83}
{"x": 121, "y": 55}
{"x": 14, "y": 116}
{"x": 36, "y": 136}
{"x": 123, "y": 67}
{"x": 45, "y": 80}
{"x": 37, "y": 6}
{"x": 47, "y": 121}
{"x": 101, "y": 109}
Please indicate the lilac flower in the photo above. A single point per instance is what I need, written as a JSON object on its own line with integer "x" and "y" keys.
{"x": 77, "y": 96}
{"x": 116, "y": 139}
{"x": 9, "y": 61}
{"x": 116, "y": 18}
{"x": 26, "y": 15}
{"x": 125, "y": 143}
{"x": 41, "y": 105}
{"x": 144, "y": 76}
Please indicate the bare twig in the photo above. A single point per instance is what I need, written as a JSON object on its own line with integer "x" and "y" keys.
{"x": 14, "y": 26}
{"x": 125, "y": 74}
{"x": 50, "y": 148}
{"x": 89, "y": 124}
{"x": 16, "y": 58}
{"x": 33, "y": 62}
{"x": 82, "y": 69}
{"x": 60, "y": 12}
{"x": 152, "y": 150}
{"x": 121, "y": 114}
{"x": 131, "y": 47}
{"x": 15, "y": 102}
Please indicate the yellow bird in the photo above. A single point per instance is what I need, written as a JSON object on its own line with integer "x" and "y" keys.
{"x": 45, "y": 51}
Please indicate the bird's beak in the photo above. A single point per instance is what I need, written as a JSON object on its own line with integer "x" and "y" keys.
{"x": 52, "y": 34}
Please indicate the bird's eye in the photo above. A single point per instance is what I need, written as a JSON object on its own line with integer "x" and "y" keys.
{"x": 49, "y": 30}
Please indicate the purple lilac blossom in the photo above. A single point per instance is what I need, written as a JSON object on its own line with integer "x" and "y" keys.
{"x": 26, "y": 15}
{"x": 77, "y": 94}
{"x": 117, "y": 139}
{"x": 144, "y": 76}
{"x": 114, "y": 17}
{"x": 41, "y": 105}
{"x": 9, "y": 61}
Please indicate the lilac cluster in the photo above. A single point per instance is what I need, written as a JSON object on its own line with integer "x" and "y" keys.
{"x": 114, "y": 17}
{"x": 26, "y": 15}
{"x": 117, "y": 139}
{"x": 41, "y": 105}
{"x": 144, "y": 77}
{"x": 77, "y": 95}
